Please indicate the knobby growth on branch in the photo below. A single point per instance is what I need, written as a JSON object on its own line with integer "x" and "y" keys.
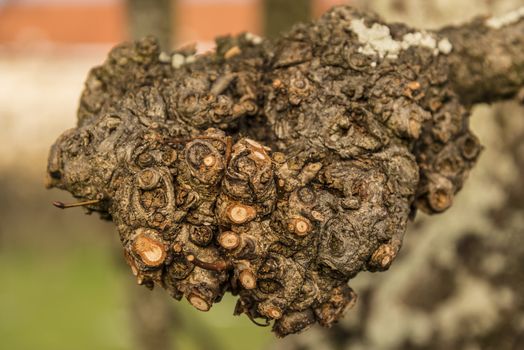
{"x": 278, "y": 170}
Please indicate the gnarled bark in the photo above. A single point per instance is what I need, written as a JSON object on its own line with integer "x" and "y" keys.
{"x": 279, "y": 170}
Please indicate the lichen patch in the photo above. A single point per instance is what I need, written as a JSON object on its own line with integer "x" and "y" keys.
{"x": 377, "y": 41}
{"x": 506, "y": 19}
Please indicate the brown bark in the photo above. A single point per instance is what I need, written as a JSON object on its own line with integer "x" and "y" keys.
{"x": 404, "y": 308}
{"x": 458, "y": 282}
{"x": 487, "y": 64}
{"x": 357, "y": 124}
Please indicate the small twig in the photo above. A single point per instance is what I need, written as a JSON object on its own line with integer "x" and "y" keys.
{"x": 218, "y": 265}
{"x": 63, "y": 205}
{"x": 256, "y": 322}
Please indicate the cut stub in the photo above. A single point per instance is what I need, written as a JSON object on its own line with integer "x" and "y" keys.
{"x": 247, "y": 279}
{"x": 294, "y": 322}
{"x": 149, "y": 248}
{"x": 229, "y": 240}
{"x": 440, "y": 194}
{"x": 382, "y": 257}
{"x": 270, "y": 310}
{"x": 239, "y": 213}
{"x": 204, "y": 159}
{"x": 249, "y": 176}
{"x": 198, "y": 302}
{"x": 300, "y": 226}
{"x": 341, "y": 299}
{"x": 248, "y": 188}
{"x": 203, "y": 286}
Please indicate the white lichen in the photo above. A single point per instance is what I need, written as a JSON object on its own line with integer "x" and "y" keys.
{"x": 506, "y": 19}
{"x": 445, "y": 46}
{"x": 377, "y": 41}
{"x": 190, "y": 59}
{"x": 418, "y": 39}
{"x": 164, "y": 57}
{"x": 178, "y": 60}
{"x": 253, "y": 38}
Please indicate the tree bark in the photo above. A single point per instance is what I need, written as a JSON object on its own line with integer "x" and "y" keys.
{"x": 314, "y": 150}
{"x": 487, "y": 62}
{"x": 458, "y": 282}
{"x": 429, "y": 299}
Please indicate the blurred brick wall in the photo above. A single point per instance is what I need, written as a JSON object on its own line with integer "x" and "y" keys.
{"x": 321, "y": 6}
{"x": 105, "y": 21}
{"x": 205, "y": 19}
{"x": 62, "y": 21}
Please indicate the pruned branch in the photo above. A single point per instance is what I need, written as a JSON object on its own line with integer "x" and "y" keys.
{"x": 487, "y": 62}
{"x": 279, "y": 170}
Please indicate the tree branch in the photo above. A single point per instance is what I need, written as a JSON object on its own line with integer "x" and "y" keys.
{"x": 357, "y": 124}
{"x": 487, "y": 62}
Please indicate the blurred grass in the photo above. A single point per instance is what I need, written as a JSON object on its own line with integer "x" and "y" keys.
{"x": 61, "y": 301}
{"x": 224, "y": 331}
{"x": 77, "y": 301}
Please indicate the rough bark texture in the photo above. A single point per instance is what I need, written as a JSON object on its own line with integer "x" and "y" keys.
{"x": 439, "y": 295}
{"x": 278, "y": 171}
{"x": 458, "y": 282}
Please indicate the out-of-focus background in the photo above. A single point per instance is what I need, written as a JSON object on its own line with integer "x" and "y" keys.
{"x": 63, "y": 283}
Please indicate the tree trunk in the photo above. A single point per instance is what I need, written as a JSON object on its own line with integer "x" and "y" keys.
{"x": 152, "y": 316}
{"x": 280, "y": 15}
{"x": 151, "y": 17}
{"x": 360, "y": 123}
